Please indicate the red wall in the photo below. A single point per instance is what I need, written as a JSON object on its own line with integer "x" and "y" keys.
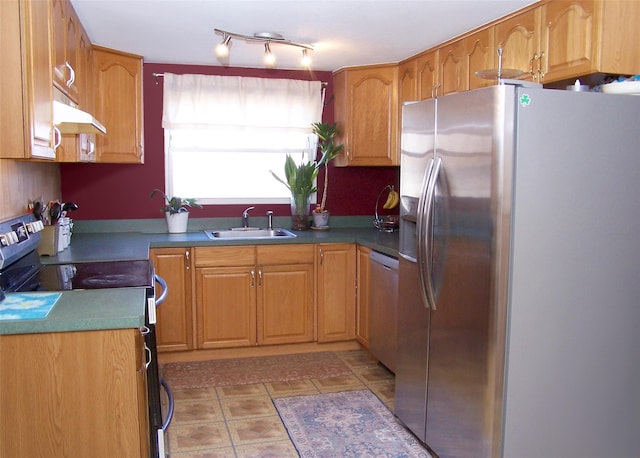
{"x": 110, "y": 191}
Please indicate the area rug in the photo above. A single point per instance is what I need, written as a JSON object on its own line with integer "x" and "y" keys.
{"x": 345, "y": 424}
{"x": 245, "y": 371}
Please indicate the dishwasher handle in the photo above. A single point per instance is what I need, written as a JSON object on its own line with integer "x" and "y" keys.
{"x": 386, "y": 261}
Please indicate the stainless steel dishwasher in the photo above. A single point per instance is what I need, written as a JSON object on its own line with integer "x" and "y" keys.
{"x": 383, "y": 308}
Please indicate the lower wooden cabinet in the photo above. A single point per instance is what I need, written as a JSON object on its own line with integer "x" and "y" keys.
{"x": 74, "y": 394}
{"x": 362, "y": 295}
{"x": 174, "y": 327}
{"x": 254, "y": 295}
{"x": 336, "y": 273}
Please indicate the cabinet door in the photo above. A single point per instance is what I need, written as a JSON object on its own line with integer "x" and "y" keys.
{"x": 118, "y": 105}
{"x": 519, "y": 38}
{"x": 336, "y": 270}
{"x": 80, "y": 394}
{"x": 362, "y": 296}
{"x": 454, "y": 69}
{"x": 428, "y": 77}
{"x": 174, "y": 328}
{"x": 570, "y": 38}
{"x": 225, "y": 307}
{"x": 285, "y": 304}
{"x": 481, "y": 54}
{"x": 25, "y": 40}
{"x": 369, "y": 120}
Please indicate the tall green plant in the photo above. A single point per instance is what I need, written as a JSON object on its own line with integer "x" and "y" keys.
{"x": 300, "y": 179}
{"x": 329, "y": 151}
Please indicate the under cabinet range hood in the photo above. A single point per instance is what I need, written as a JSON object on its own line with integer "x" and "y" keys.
{"x": 71, "y": 120}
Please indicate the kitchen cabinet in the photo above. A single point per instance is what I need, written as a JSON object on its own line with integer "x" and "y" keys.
{"x": 118, "y": 106}
{"x": 285, "y": 288}
{"x": 481, "y": 54}
{"x": 428, "y": 76}
{"x": 66, "y": 33}
{"x": 74, "y": 394}
{"x": 559, "y": 40}
{"x": 254, "y": 295}
{"x": 26, "y": 92}
{"x": 454, "y": 68}
{"x": 362, "y": 295}
{"x": 366, "y": 101}
{"x": 174, "y": 321}
{"x": 519, "y": 38}
{"x": 336, "y": 273}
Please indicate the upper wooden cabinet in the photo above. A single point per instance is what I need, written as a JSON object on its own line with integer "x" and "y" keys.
{"x": 453, "y": 68}
{"x": 118, "y": 106}
{"x": 26, "y": 92}
{"x": 66, "y": 34}
{"x": 366, "y": 101}
{"x": 428, "y": 74}
{"x": 558, "y": 40}
{"x": 480, "y": 53}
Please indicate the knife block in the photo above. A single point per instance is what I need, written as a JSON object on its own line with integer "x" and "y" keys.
{"x": 49, "y": 241}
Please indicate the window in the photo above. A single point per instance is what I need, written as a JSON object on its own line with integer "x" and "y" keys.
{"x": 223, "y": 135}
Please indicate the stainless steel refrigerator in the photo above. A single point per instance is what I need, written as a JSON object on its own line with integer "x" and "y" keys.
{"x": 519, "y": 284}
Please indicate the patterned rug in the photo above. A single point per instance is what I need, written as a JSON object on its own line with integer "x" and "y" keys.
{"x": 345, "y": 424}
{"x": 245, "y": 371}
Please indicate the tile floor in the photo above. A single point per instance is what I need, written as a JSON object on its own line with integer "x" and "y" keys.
{"x": 241, "y": 421}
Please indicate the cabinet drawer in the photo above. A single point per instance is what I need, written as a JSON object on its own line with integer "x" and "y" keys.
{"x": 224, "y": 256}
{"x": 284, "y": 254}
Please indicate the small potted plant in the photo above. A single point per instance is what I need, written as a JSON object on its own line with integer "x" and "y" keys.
{"x": 176, "y": 211}
{"x": 329, "y": 151}
{"x": 300, "y": 180}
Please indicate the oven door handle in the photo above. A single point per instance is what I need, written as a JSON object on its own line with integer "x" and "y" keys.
{"x": 165, "y": 289}
{"x": 167, "y": 421}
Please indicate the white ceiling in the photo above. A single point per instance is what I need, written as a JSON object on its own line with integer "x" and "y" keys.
{"x": 342, "y": 32}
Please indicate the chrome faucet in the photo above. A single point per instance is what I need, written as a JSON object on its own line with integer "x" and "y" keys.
{"x": 269, "y": 219}
{"x": 245, "y": 216}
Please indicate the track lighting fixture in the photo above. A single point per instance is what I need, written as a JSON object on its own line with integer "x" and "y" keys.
{"x": 268, "y": 38}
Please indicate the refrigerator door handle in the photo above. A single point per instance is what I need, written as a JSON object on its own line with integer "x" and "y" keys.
{"x": 421, "y": 233}
{"x": 427, "y": 241}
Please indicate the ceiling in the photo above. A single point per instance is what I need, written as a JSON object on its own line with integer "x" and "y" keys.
{"x": 342, "y": 32}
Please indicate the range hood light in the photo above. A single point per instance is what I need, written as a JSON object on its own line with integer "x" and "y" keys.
{"x": 70, "y": 120}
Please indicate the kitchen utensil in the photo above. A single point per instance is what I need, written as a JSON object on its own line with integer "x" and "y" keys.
{"x": 37, "y": 210}
{"x": 69, "y": 206}
{"x": 55, "y": 211}
{"x": 388, "y": 223}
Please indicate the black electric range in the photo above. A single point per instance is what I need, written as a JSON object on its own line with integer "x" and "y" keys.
{"x": 22, "y": 271}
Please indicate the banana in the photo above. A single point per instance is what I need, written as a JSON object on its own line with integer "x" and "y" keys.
{"x": 392, "y": 200}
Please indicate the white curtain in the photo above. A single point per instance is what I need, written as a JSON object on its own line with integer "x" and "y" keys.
{"x": 229, "y": 108}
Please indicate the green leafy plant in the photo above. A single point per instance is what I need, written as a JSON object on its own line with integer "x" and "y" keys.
{"x": 300, "y": 180}
{"x": 175, "y": 204}
{"x": 329, "y": 151}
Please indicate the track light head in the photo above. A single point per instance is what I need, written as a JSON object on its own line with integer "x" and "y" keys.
{"x": 306, "y": 59}
{"x": 222, "y": 50}
{"x": 269, "y": 57}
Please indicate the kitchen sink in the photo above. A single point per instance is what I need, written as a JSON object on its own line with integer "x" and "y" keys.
{"x": 249, "y": 233}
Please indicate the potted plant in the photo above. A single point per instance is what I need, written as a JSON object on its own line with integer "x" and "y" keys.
{"x": 329, "y": 151}
{"x": 176, "y": 211}
{"x": 300, "y": 180}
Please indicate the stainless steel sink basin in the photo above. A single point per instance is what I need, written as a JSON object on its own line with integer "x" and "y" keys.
{"x": 250, "y": 233}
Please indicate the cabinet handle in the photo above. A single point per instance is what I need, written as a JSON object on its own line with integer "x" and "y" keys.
{"x": 57, "y": 138}
{"x": 434, "y": 90}
{"x": 72, "y": 75}
{"x": 187, "y": 257}
{"x": 540, "y": 72}
{"x": 260, "y": 278}
{"x": 148, "y": 358}
{"x": 531, "y": 72}
{"x": 253, "y": 278}
{"x": 321, "y": 256}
